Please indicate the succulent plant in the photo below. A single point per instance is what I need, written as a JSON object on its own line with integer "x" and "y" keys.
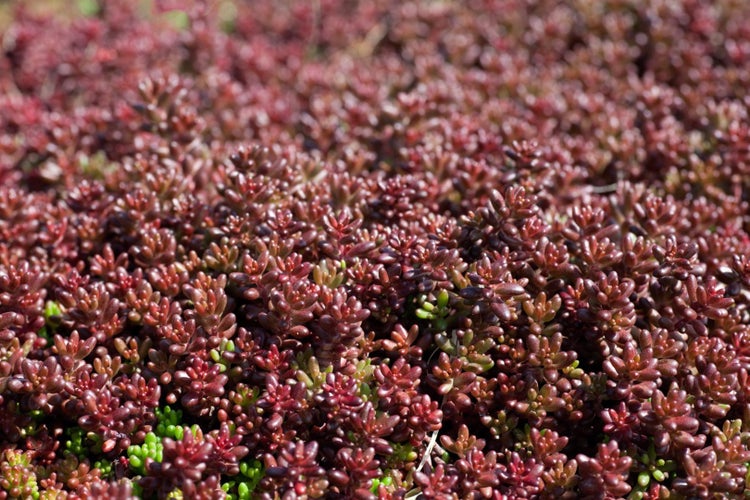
{"x": 349, "y": 249}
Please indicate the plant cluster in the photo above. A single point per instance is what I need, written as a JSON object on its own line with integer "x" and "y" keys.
{"x": 376, "y": 249}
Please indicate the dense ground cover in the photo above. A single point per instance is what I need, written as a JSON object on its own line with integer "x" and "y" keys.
{"x": 362, "y": 249}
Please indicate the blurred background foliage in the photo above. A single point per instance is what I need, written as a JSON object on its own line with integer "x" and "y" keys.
{"x": 69, "y": 9}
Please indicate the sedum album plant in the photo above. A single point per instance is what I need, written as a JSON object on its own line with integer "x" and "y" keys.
{"x": 376, "y": 249}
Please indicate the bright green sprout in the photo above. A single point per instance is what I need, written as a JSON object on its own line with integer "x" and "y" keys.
{"x": 386, "y": 481}
{"x": 657, "y": 469}
{"x": 152, "y": 448}
{"x": 243, "y": 485}
{"x": 436, "y": 313}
